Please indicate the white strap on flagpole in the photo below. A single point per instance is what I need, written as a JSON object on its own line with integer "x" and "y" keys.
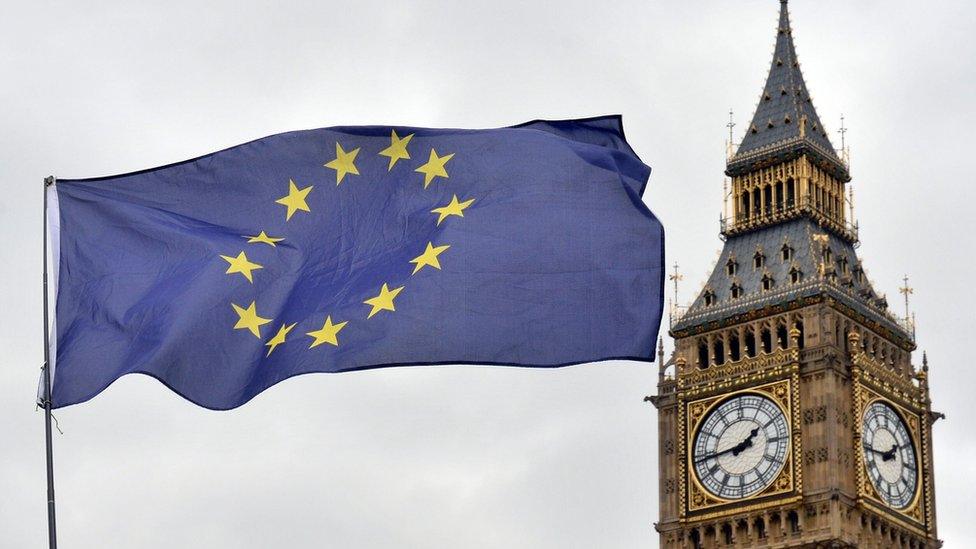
{"x": 53, "y": 269}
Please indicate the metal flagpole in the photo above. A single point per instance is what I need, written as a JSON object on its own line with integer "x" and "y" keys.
{"x": 51, "y": 529}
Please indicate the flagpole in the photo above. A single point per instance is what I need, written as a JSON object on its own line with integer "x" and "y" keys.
{"x": 51, "y": 529}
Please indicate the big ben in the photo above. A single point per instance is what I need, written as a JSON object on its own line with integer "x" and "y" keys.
{"x": 791, "y": 413}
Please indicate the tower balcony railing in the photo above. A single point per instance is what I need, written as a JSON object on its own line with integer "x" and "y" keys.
{"x": 675, "y": 312}
{"x": 783, "y": 211}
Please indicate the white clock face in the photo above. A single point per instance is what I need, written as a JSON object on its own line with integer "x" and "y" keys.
{"x": 741, "y": 446}
{"x": 889, "y": 455}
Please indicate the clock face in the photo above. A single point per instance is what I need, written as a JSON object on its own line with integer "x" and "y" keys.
{"x": 741, "y": 446}
{"x": 889, "y": 455}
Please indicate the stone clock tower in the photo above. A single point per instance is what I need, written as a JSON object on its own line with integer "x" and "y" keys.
{"x": 791, "y": 414}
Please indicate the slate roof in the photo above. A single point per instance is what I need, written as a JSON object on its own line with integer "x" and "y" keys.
{"x": 775, "y": 140}
{"x": 799, "y": 235}
{"x": 784, "y": 104}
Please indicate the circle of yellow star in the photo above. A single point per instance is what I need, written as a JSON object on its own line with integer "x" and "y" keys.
{"x": 249, "y": 319}
{"x": 454, "y": 208}
{"x": 279, "y": 337}
{"x": 327, "y": 334}
{"x": 383, "y": 301}
{"x": 429, "y": 257}
{"x": 397, "y": 149}
{"x": 434, "y": 167}
{"x": 295, "y": 199}
{"x": 240, "y": 264}
{"x": 263, "y": 238}
{"x": 345, "y": 162}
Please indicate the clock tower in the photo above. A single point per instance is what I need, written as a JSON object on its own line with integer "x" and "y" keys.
{"x": 790, "y": 413}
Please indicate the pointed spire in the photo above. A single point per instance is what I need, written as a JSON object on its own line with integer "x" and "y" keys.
{"x": 785, "y": 118}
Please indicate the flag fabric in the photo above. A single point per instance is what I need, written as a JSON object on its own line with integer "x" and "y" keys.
{"x": 351, "y": 248}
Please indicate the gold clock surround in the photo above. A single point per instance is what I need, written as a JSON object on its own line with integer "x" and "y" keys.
{"x": 868, "y": 384}
{"x": 786, "y": 485}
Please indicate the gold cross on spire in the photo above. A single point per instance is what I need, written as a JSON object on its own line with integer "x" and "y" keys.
{"x": 676, "y": 277}
{"x": 906, "y": 290}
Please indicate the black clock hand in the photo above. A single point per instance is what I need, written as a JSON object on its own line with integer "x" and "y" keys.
{"x": 734, "y": 450}
{"x": 747, "y": 442}
{"x": 870, "y": 449}
{"x": 885, "y": 456}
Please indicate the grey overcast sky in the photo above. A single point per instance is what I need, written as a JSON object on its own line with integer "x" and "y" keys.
{"x": 448, "y": 457}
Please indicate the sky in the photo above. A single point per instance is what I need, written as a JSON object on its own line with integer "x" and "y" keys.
{"x": 446, "y": 457}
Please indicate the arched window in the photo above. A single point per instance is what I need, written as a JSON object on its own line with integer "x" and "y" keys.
{"x": 790, "y": 193}
{"x": 709, "y": 298}
{"x": 767, "y": 340}
{"x": 727, "y": 533}
{"x": 750, "y": 344}
{"x": 731, "y": 266}
{"x": 781, "y": 337}
{"x": 799, "y": 326}
{"x": 794, "y": 521}
{"x": 719, "y": 348}
{"x": 768, "y": 196}
{"x": 759, "y": 527}
{"x": 744, "y": 214}
{"x": 756, "y": 202}
{"x": 779, "y": 196}
{"x": 703, "y": 361}
{"x": 736, "y": 291}
{"x": 735, "y": 351}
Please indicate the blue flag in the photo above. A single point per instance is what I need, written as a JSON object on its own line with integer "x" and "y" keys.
{"x": 350, "y": 248}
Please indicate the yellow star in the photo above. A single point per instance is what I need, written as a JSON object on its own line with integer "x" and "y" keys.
{"x": 263, "y": 238}
{"x": 454, "y": 208}
{"x": 383, "y": 301}
{"x": 248, "y": 318}
{"x": 327, "y": 334}
{"x": 279, "y": 338}
{"x": 429, "y": 257}
{"x": 295, "y": 200}
{"x": 434, "y": 167}
{"x": 240, "y": 264}
{"x": 345, "y": 162}
{"x": 397, "y": 149}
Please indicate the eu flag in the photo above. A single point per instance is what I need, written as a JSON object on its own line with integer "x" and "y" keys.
{"x": 350, "y": 248}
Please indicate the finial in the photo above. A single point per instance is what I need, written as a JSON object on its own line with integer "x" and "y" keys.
{"x": 676, "y": 277}
{"x": 730, "y": 125}
{"x": 925, "y": 361}
{"x": 725, "y": 197}
{"x": 853, "y": 338}
{"x": 850, "y": 200}
{"x": 842, "y": 131}
{"x": 844, "y": 152}
{"x": 660, "y": 349}
{"x": 906, "y": 290}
